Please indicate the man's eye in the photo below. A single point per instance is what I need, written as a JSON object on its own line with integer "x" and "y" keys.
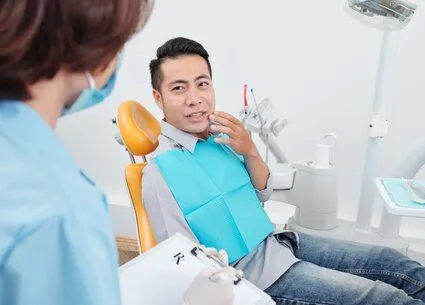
{"x": 204, "y": 84}
{"x": 177, "y": 88}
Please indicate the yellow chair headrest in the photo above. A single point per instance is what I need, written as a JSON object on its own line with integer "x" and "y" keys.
{"x": 138, "y": 128}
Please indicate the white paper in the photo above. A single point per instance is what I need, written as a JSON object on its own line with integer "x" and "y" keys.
{"x": 162, "y": 275}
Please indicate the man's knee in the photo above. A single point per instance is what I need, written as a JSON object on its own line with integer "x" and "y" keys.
{"x": 386, "y": 294}
{"x": 389, "y": 253}
{"x": 386, "y": 258}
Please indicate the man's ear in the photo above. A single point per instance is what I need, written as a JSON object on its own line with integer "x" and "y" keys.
{"x": 158, "y": 98}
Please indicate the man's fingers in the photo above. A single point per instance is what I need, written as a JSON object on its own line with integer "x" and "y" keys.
{"x": 223, "y": 129}
{"x": 221, "y": 121}
{"x": 225, "y": 141}
{"x": 227, "y": 116}
{"x": 225, "y": 119}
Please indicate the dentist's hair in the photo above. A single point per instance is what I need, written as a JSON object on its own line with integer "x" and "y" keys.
{"x": 38, "y": 38}
{"x": 175, "y": 48}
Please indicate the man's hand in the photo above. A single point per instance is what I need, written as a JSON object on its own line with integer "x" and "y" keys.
{"x": 242, "y": 143}
{"x": 239, "y": 139}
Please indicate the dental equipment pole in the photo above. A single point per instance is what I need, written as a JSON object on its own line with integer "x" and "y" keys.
{"x": 389, "y": 16}
{"x": 377, "y": 128}
{"x": 274, "y": 148}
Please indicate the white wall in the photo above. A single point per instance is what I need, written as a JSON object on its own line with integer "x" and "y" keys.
{"x": 316, "y": 63}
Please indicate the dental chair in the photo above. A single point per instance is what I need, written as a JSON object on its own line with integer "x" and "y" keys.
{"x": 138, "y": 133}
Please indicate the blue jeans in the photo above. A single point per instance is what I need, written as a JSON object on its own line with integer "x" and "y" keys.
{"x": 337, "y": 272}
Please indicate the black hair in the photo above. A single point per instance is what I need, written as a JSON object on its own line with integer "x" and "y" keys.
{"x": 175, "y": 48}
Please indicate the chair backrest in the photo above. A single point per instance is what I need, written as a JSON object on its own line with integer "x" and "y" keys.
{"x": 139, "y": 131}
{"x": 133, "y": 178}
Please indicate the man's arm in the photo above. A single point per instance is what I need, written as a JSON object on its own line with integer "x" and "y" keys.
{"x": 266, "y": 193}
{"x": 164, "y": 212}
{"x": 257, "y": 169}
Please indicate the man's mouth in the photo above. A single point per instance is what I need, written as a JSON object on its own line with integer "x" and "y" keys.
{"x": 197, "y": 114}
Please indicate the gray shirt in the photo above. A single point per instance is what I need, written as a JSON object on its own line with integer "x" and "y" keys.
{"x": 263, "y": 266}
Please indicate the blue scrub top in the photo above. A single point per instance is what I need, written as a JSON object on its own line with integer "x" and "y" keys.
{"x": 56, "y": 237}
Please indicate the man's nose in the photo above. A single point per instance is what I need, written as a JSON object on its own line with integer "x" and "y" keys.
{"x": 193, "y": 98}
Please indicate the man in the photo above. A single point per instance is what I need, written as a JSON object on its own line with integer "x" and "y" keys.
{"x": 206, "y": 181}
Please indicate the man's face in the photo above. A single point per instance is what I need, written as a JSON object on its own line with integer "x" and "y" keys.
{"x": 186, "y": 94}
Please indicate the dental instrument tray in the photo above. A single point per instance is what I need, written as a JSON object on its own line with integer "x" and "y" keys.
{"x": 402, "y": 197}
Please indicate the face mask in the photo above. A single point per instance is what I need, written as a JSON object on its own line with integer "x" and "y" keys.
{"x": 93, "y": 96}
